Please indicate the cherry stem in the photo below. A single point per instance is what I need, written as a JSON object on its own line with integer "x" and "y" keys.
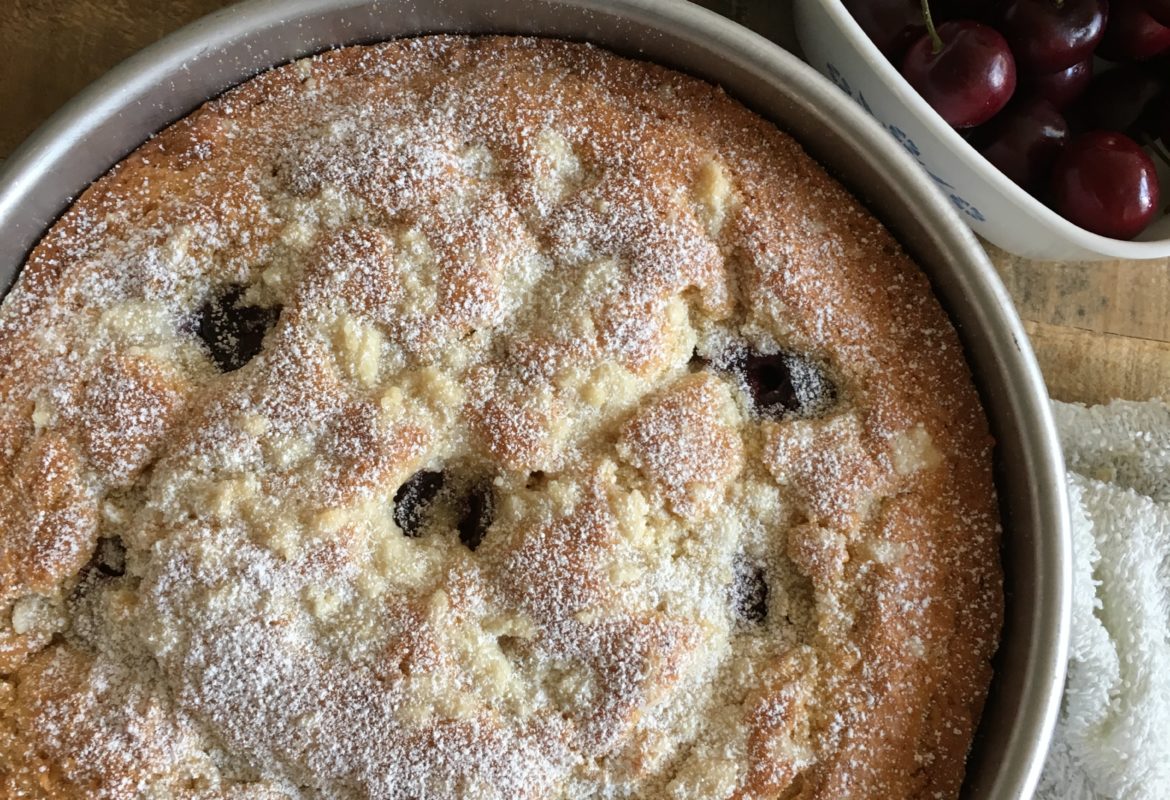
{"x": 935, "y": 40}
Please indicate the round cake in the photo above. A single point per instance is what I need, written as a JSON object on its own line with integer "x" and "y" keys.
{"x": 485, "y": 418}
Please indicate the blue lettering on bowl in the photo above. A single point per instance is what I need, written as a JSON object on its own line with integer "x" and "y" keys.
{"x": 900, "y": 136}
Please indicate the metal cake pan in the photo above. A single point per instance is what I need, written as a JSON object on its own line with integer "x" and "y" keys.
{"x": 174, "y": 76}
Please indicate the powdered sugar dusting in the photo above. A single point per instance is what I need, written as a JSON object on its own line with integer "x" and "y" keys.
{"x": 499, "y": 261}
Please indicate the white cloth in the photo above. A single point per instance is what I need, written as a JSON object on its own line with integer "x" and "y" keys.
{"x": 1113, "y": 737}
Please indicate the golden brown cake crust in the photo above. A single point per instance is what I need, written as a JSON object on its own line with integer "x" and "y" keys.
{"x": 485, "y": 418}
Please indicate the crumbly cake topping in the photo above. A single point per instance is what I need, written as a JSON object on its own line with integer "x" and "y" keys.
{"x": 485, "y": 418}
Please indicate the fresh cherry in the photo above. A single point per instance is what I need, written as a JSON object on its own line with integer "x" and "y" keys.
{"x": 964, "y": 70}
{"x": 1132, "y": 34}
{"x": 892, "y": 25}
{"x": 1117, "y": 100}
{"x": 1060, "y": 88}
{"x": 1159, "y": 10}
{"x": 1024, "y": 140}
{"x": 1051, "y": 35}
{"x": 1106, "y": 183}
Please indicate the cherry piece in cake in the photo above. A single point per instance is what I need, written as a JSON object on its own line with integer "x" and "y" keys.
{"x": 785, "y": 383}
{"x": 429, "y": 493}
{"x": 778, "y": 384}
{"x": 413, "y": 498}
{"x": 478, "y": 512}
{"x": 771, "y": 382}
{"x": 232, "y": 331}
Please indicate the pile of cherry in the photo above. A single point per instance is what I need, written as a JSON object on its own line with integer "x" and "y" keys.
{"x": 1016, "y": 78}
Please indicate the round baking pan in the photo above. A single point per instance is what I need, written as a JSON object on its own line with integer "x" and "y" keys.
{"x": 174, "y": 76}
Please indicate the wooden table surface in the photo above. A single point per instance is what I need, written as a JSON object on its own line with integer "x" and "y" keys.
{"x": 1101, "y": 330}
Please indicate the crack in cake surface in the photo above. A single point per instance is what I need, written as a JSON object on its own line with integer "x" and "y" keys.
{"x": 486, "y": 418}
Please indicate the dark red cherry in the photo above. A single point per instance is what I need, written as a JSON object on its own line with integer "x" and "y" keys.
{"x": 1106, "y": 183}
{"x": 1060, "y": 88}
{"x": 428, "y": 495}
{"x": 1132, "y": 34}
{"x": 1051, "y": 35}
{"x": 777, "y": 384}
{"x": 784, "y": 383}
{"x": 1159, "y": 10}
{"x": 233, "y": 332}
{"x": 771, "y": 382}
{"x": 413, "y": 498}
{"x": 476, "y": 515}
{"x": 892, "y": 25}
{"x": 1024, "y": 140}
{"x": 966, "y": 73}
{"x": 1117, "y": 100}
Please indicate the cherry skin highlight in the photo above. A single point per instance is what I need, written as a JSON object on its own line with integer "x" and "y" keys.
{"x": 968, "y": 78}
{"x": 1107, "y": 184}
{"x": 1024, "y": 140}
{"x": 1061, "y": 88}
{"x": 1132, "y": 34}
{"x": 1051, "y": 35}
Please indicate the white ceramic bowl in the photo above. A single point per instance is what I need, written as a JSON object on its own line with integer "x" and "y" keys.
{"x": 995, "y": 207}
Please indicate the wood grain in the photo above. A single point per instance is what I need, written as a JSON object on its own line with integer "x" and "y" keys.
{"x": 1087, "y": 366}
{"x": 52, "y": 49}
{"x": 1127, "y": 298}
{"x": 1101, "y": 330}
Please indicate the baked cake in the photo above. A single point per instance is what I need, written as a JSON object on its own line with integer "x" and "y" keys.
{"x": 485, "y": 418}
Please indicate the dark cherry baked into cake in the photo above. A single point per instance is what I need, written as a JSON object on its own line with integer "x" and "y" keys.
{"x": 485, "y": 418}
